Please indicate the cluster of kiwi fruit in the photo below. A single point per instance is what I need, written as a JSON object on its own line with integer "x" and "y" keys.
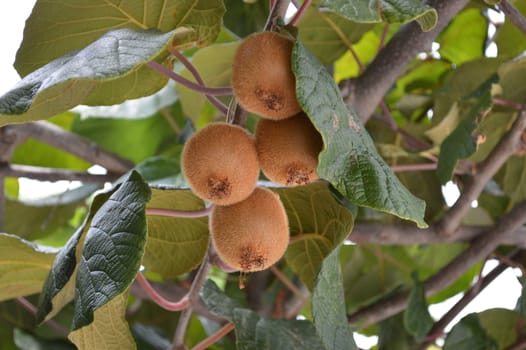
{"x": 221, "y": 162}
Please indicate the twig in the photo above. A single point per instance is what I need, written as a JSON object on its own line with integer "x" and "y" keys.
{"x": 71, "y": 143}
{"x": 179, "y": 213}
{"x": 159, "y": 300}
{"x": 193, "y": 295}
{"x": 227, "y": 328}
{"x": 207, "y": 91}
{"x": 383, "y": 38}
{"x": 277, "y": 10}
{"x": 480, "y": 248}
{"x": 486, "y": 169}
{"x": 291, "y": 286}
{"x": 369, "y": 88}
{"x": 514, "y": 15}
{"x": 54, "y": 174}
{"x": 33, "y": 311}
{"x": 505, "y": 103}
{"x": 399, "y": 234}
{"x": 480, "y": 285}
{"x": 299, "y": 13}
{"x": 413, "y": 167}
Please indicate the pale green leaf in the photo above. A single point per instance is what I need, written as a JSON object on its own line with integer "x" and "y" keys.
{"x": 105, "y": 72}
{"x": 512, "y": 179}
{"x": 175, "y": 245}
{"x": 511, "y": 75}
{"x": 318, "y": 223}
{"x": 469, "y": 334}
{"x": 501, "y": 325}
{"x": 109, "y": 329}
{"x": 328, "y": 306}
{"x": 390, "y": 11}
{"x": 417, "y": 320}
{"x": 349, "y": 160}
{"x": 56, "y": 28}
{"x": 23, "y": 267}
{"x": 510, "y": 40}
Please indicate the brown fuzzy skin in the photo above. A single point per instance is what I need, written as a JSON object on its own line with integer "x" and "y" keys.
{"x": 262, "y": 78}
{"x": 251, "y": 235}
{"x": 288, "y": 150}
{"x": 220, "y": 163}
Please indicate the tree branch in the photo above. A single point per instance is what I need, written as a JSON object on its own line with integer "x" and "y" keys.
{"x": 507, "y": 146}
{"x": 53, "y": 174}
{"x": 386, "y": 234}
{"x": 480, "y": 248}
{"x": 368, "y": 90}
{"x": 71, "y": 143}
{"x": 514, "y": 15}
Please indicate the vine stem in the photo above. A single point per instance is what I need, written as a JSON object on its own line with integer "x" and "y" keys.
{"x": 514, "y": 15}
{"x": 414, "y": 167}
{"x": 33, "y": 310}
{"x": 158, "y": 299}
{"x": 299, "y": 13}
{"x": 207, "y": 91}
{"x": 193, "y": 295}
{"x": 227, "y": 328}
{"x": 288, "y": 283}
{"x": 179, "y": 213}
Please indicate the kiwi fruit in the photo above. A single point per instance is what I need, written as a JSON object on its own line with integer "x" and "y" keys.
{"x": 288, "y": 149}
{"x": 253, "y": 234}
{"x": 220, "y": 163}
{"x": 262, "y": 78}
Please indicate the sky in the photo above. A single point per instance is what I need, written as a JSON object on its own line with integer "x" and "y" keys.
{"x": 503, "y": 292}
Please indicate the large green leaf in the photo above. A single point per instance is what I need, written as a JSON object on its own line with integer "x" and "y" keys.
{"x": 254, "y": 332}
{"x": 318, "y": 223}
{"x": 109, "y": 329}
{"x": 464, "y": 38}
{"x": 502, "y": 325}
{"x": 175, "y": 245}
{"x": 105, "y": 72}
{"x": 510, "y": 40}
{"x": 349, "y": 160}
{"x": 512, "y": 179}
{"x": 328, "y": 306}
{"x": 391, "y": 11}
{"x": 23, "y": 267}
{"x": 56, "y": 28}
{"x": 417, "y": 319}
{"x": 469, "y": 334}
{"x": 327, "y": 35}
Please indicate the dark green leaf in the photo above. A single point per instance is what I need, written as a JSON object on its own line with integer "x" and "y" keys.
{"x": 217, "y": 302}
{"x": 469, "y": 334}
{"x": 244, "y": 18}
{"x": 349, "y": 160}
{"x": 113, "y": 249}
{"x": 48, "y": 36}
{"x": 502, "y": 325}
{"x": 175, "y": 245}
{"x": 318, "y": 223}
{"x": 328, "y": 306}
{"x": 417, "y": 319}
{"x": 392, "y": 334}
{"x": 390, "y": 11}
{"x": 105, "y": 72}
{"x": 461, "y": 143}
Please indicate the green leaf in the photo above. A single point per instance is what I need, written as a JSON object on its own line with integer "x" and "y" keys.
{"x": 23, "y": 267}
{"x": 461, "y": 143}
{"x": 417, "y": 319}
{"x": 502, "y": 325}
{"x": 109, "y": 329}
{"x": 390, "y": 11}
{"x": 510, "y": 40}
{"x": 113, "y": 249}
{"x": 511, "y": 75}
{"x": 349, "y": 160}
{"x": 469, "y": 334}
{"x": 512, "y": 179}
{"x": 328, "y": 306}
{"x": 318, "y": 223}
{"x": 48, "y": 36}
{"x": 254, "y": 332}
{"x": 327, "y": 35}
{"x": 464, "y": 38}
{"x": 105, "y": 72}
{"x": 25, "y": 340}
{"x": 247, "y": 17}
{"x": 392, "y": 334}
{"x": 175, "y": 245}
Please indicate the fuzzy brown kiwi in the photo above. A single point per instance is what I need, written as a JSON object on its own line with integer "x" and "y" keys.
{"x": 253, "y": 234}
{"x": 288, "y": 150}
{"x": 262, "y": 79}
{"x": 220, "y": 163}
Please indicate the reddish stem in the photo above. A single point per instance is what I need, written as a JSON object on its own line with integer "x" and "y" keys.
{"x": 182, "y": 304}
{"x": 227, "y": 328}
{"x": 179, "y": 213}
{"x": 33, "y": 310}
{"x": 506, "y": 103}
{"x": 413, "y": 167}
{"x": 299, "y": 13}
